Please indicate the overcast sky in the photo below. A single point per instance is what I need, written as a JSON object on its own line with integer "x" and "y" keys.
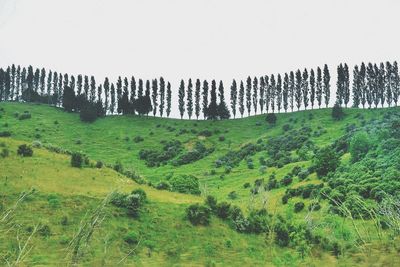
{"x": 207, "y": 39}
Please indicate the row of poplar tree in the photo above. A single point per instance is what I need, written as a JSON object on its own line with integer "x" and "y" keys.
{"x": 372, "y": 85}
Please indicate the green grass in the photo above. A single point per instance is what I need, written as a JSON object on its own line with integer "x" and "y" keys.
{"x": 167, "y": 237}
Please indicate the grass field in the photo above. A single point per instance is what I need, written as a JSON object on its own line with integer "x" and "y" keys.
{"x": 166, "y": 237}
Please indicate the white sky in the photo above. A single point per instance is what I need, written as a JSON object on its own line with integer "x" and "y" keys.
{"x": 221, "y": 39}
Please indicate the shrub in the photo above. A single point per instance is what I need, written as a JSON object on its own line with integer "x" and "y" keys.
{"x": 337, "y": 112}
{"x": 45, "y": 230}
{"x": 314, "y": 206}
{"x": 282, "y": 236}
{"x": 246, "y": 185}
{"x": 36, "y": 144}
{"x": 25, "y": 150}
{"x": 118, "y": 167}
{"x": 64, "y": 220}
{"x": 232, "y": 195}
{"x": 359, "y": 146}
{"x": 206, "y": 133}
{"x": 118, "y": 199}
{"x": 326, "y": 160}
{"x": 303, "y": 174}
{"x": 99, "y": 164}
{"x": 134, "y": 203}
{"x": 298, "y": 206}
{"x": 223, "y": 210}
{"x": 138, "y": 139}
{"x": 188, "y": 184}
{"x": 286, "y": 127}
{"x": 4, "y": 152}
{"x": 271, "y": 118}
{"x": 198, "y": 214}
{"x": 163, "y": 185}
{"x": 221, "y": 138}
{"x": 88, "y": 112}
{"x": 5, "y": 134}
{"x": 211, "y": 201}
{"x": 287, "y": 180}
{"x": 77, "y": 159}
{"x": 132, "y": 238}
{"x": 24, "y": 116}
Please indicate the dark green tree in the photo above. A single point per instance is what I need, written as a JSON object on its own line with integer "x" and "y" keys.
{"x": 112, "y": 100}
{"x": 13, "y": 78}
{"x": 132, "y": 95}
{"x": 312, "y": 88}
{"x": 212, "y": 109}
{"x": 381, "y": 83}
{"x": 169, "y": 93}
{"x": 147, "y": 93}
{"x": 49, "y": 86}
{"x": 143, "y": 104}
{"x": 267, "y": 100}
{"x": 42, "y": 82}
{"x": 162, "y": 96}
{"x": 395, "y": 83}
{"x": 272, "y": 92}
{"x": 119, "y": 94}
{"x": 292, "y": 90}
{"x": 68, "y": 99}
{"x": 304, "y": 88}
{"x": 248, "y": 95}
{"x": 79, "y": 84}
{"x": 388, "y": 83}
{"x": 346, "y": 85}
{"x": 154, "y": 96}
{"x": 205, "y": 98}
{"x": 356, "y": 87}
{"x": 363, "y": 85}
{"x": 298, "y": 88}
{"x": 106, "y": 86}
{"x": 285, "y": 92}
{"x": 36, "y": 81}
{"x": 181, "y": 100}
{"x": 86, "y": 87}
{"x": 189, "y": 99}
{"x": 255, "y": 93}
{"x": 262, "y": 92}
{"x": 197, "y": 107}
{"x": 279, "y": 93}
{"x": 241, "y": 98}
{"x": 223, "y": 111}
{"x": 326, "y": 85}
{"x": 233, "y": 97}
{"x": 18, "y": 83}
{"x": 140, "y": 88}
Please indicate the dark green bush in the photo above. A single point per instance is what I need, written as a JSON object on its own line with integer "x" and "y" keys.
{"x": 188, "y": 184}
{"x": 337, "y": 112}
{"x": 88, "y": 112}
{"x": 132, "y": 238}
{"x": 271, "y": 118}
{"x": 24, "y": 116}
{"x": 223, "y": 210}
{"x": 359, "y": 146}
{"x": 211, "y": 201}
{"x": 198, "y": 214}
{"x": 221, "y": 138}
{"x": 298, "y": 206}
{"x": 44, "y": 230}
{"x": 77, "y": 159}
{"x": 4, "y": 152}
{"x": 138, "y": 139}
{"x": 5, "y": 134}
{"x": 163, "y": 185}
{"x": 326, "y": 160}
{"x": 25, "y": 150}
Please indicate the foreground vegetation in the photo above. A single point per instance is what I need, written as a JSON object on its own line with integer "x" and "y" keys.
{"x": 307, "y": 189}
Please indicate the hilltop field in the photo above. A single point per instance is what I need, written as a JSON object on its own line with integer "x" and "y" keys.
{"x": 306, "y": 190}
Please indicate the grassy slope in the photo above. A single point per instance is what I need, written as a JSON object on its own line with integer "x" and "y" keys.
{"x": 80, "y": 190}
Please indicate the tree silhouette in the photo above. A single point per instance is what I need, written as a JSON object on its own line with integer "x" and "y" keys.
{"x": 119, "y": 94}
{"x": 248, "y": 95}
{"x": 298, "y": 86}
{"x": 285, "y": 92}
{"x": 154, "y": 96}
{"x": 279, "y": 92}
{"x": 304, "y": 88}
{"x": 168, "y": 111}
{"x": 189, "y": 100}
{"x": 346, "y": 85}
{"x": 312, "y": 88}
{"x": 205, "y": 98}
{"x": 388, "y": 83}
{"x": 326, "y": 85}
{"x": 255, "y": 92}
{"x": 42, "y": 82}
{"x": 197, "y": 107}
{"x": 233, "y": 97}
{"x": 272, "y": 92}
{"x": 112, "y": 96}
{"x": 106, "y": 86}
{"x": 68, "y": 99}
{"x": 86, "y": 87}
{"x": 395, "y": 83}
{"x": 162, "y": 96}
{"x": 363, "y": 84}
{"x": 140, "y": 88}
{"x": 267, "y": 93}
{"x": 356, "y": 87}
{"x": 262, "y": 91}
{"x": 79, "y": 85}
{"x": 241, "y": 99}
{"x": 212, "y": 109}
{"x": 132, "y": 95}
{"x": 181, "y": 96}
{"x": 49, "y": 85}
{"x": 18, "y": 83}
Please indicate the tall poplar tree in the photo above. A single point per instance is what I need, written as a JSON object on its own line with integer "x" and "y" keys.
{"x": 248, "y": 95}
{"x": 181, "y": 99}
{"x": 132, "y": 96}
{"x": 363, "y": 85}
{"x": 42, "y": 82}
{"x": 49, "y": 86}
{"x": 326, "y": 85}
{"x": 18, "y": 83}
{"x": 241, "y": 98}
{"x": 119, "y": 94}
{"x": 312, "y": 88}
{"x": 154, "y": 96}
{"x": 106, "y": 86}
{"x": 279, "y": 92}
{"x": 267, "y": 93}
{"x": 205, "y": 98}
{"x": 112, "y": 100}
{"x": 356, "y": 87}
{"x": 79, "y": 84}
{"x": 140, "y": 88}
{"x": 162, "y": 97}
{"x": 197, "y": 107}
{"x": 304, "y": 88}
{"x": 233, "y": 97}
{"x": 285, "y": 92}
{"x": 388, "y": 83}
{"x": 395, "y": 83}
{"x": 255, "y": 93}
{"x": 169, "y": 93}
{"x": 262, "y": 91}
{"x": 346, "y": 85}
{"x": 298, "y": 88}
{"x": 86, "y": 87}
{"x": 189, "y": 100}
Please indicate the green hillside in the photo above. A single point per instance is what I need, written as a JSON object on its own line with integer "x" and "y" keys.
{"x": 248, "y": 163}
